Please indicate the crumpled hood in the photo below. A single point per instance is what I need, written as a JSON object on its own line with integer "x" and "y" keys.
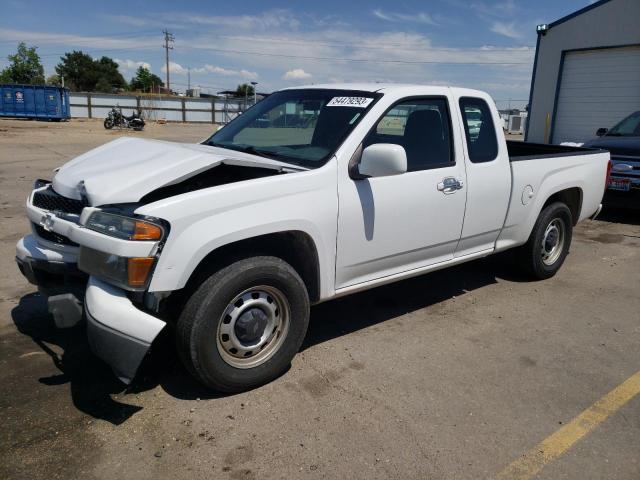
{"x": 126, "y": 169}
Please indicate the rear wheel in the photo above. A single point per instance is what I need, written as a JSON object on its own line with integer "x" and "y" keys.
{"x": 244, "y": 324}
{"x": 549, "y": 242}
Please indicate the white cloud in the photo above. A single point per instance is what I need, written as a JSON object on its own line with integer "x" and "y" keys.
{"x": 419, "y": 17}
{"x": 175, "y": 68}
{"x": 507, "y": 29}
{"x": 296, "y": 74}
{"x": 131, "y": 65}
{"x": 132, "y": 21}
{"x": 79, "y": 41}
{"x": 265, "y": 20}
{"x": 248, "y": 75}
{"x": 228, "y": 72}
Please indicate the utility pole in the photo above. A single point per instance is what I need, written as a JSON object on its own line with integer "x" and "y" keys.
{"x": 188, "y": 78}
{"x": 168, "y": 37}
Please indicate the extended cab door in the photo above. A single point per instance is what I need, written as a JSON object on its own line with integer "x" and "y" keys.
{"x": 488, "y": 174}
{"x": 389, "y": 225}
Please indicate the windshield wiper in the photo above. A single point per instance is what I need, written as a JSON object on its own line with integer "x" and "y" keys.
{"x": 258, "y": 151}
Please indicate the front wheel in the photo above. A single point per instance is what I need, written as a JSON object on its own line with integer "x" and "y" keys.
{"x": 548, "y": 245}
{"x": 244, "y": 324}
{"x": 108, "y": 123}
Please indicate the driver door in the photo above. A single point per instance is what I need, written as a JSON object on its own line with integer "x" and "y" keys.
{"x": 390, "y": 225}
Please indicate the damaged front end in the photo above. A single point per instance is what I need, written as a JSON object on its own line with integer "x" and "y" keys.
{"x": 92, "y": 265}
{"x": 93, "y": 256}
{"x": 119, "y": 333}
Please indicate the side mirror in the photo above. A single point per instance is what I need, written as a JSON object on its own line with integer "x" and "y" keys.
{"x": 383, "y": 160}
{"x": 602, "y": 131}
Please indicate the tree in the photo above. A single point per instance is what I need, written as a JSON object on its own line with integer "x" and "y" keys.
{"x": 244, "y": 90}
{"x": 25, "y": 67}
{"x": 145, "y": 80}
{"x": 54, "y": 80}
{"x": 110, "y": 76}
{"x": 81, "y": 72}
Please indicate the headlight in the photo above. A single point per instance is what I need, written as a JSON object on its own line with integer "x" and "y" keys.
{"x": 127, "y": 273}
{"x": 126, "y": 228}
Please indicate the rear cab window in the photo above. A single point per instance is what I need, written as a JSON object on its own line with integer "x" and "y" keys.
{"x": 479, "y": 129}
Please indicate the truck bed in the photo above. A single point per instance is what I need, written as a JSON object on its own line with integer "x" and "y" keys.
{"x": 519, "y": 151}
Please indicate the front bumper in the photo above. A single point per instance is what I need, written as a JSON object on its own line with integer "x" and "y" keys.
{"x": 119, "y": 333}
{"x": 55, "y": 273}
{"x": 48, "y": 268}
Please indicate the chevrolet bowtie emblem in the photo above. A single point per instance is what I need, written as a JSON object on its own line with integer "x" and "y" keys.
{"x": 47, "y": 221}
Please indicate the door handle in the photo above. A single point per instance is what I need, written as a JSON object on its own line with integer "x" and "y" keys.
{"x": 450, "y": 185}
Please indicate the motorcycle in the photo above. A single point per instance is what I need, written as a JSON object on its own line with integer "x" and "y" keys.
{"x": 115, "y": 118}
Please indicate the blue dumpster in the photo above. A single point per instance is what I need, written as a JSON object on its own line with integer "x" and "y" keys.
{"x": 34, "y": 101}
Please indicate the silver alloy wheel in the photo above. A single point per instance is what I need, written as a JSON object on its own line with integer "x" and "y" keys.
{"x": 253, "y": 326}
{"x": 553, "y": 242}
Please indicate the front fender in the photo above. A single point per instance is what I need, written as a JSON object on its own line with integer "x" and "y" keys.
{"x": 205, "y": 220}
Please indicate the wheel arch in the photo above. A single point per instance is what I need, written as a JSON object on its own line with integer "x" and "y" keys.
{"x": 295, "y": 247}
{"x": 571, "y": 197}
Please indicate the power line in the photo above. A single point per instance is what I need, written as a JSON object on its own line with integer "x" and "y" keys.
{"x": 366, "y": 60}
{"x": 385, "y": 46}
{"x": 370, "y": 46}
{"x": 339, "y": 59}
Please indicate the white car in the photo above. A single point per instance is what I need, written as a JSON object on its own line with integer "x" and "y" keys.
{"x": 231, "y": 240}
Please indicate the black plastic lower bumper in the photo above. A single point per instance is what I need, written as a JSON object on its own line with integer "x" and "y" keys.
{"x": 122, "y": 352}
{"x": 52, "y": 275}
{"x": 62, "y": 283}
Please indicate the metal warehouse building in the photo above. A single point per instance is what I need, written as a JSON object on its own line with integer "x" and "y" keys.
{"x": 586, "y": 72}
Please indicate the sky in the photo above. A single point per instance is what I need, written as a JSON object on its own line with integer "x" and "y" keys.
{"x": 483, "y": 44}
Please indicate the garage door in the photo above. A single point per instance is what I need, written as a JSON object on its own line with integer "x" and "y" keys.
{"x": 598, "y": 88}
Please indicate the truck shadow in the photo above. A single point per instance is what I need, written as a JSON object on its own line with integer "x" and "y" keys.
{"x": 356, "y": 312}
{"x": 96, "y": 391}
{"x": 91, "y": 382}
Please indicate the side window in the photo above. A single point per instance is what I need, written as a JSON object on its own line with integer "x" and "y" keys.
{"x": 422, "y": 127}
{"x": 480, "y": 130}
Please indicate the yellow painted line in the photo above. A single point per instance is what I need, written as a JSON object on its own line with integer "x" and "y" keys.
{"x": 555, "y": 445}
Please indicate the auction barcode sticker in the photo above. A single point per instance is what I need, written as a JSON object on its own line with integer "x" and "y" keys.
{"x": 358, "y": 102}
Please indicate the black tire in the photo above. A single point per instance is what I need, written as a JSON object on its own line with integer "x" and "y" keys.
{"x": 108, "y": 123}
{"x": 535, "y": 261}
{"x": 198, "y": 327}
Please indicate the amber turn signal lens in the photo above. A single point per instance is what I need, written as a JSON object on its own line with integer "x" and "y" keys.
{"x": 146, "y": 231}
{"x": 138, "y": 270}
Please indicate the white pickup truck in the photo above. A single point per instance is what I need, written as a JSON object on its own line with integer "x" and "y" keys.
{"x": 315, "y": 192}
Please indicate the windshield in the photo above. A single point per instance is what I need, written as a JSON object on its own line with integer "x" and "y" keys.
{"x": 303, "y": 127}
{"x": 629, "y": 127}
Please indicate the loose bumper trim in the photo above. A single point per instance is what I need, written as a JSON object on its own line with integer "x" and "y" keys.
{"x": 119, "y": 333}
